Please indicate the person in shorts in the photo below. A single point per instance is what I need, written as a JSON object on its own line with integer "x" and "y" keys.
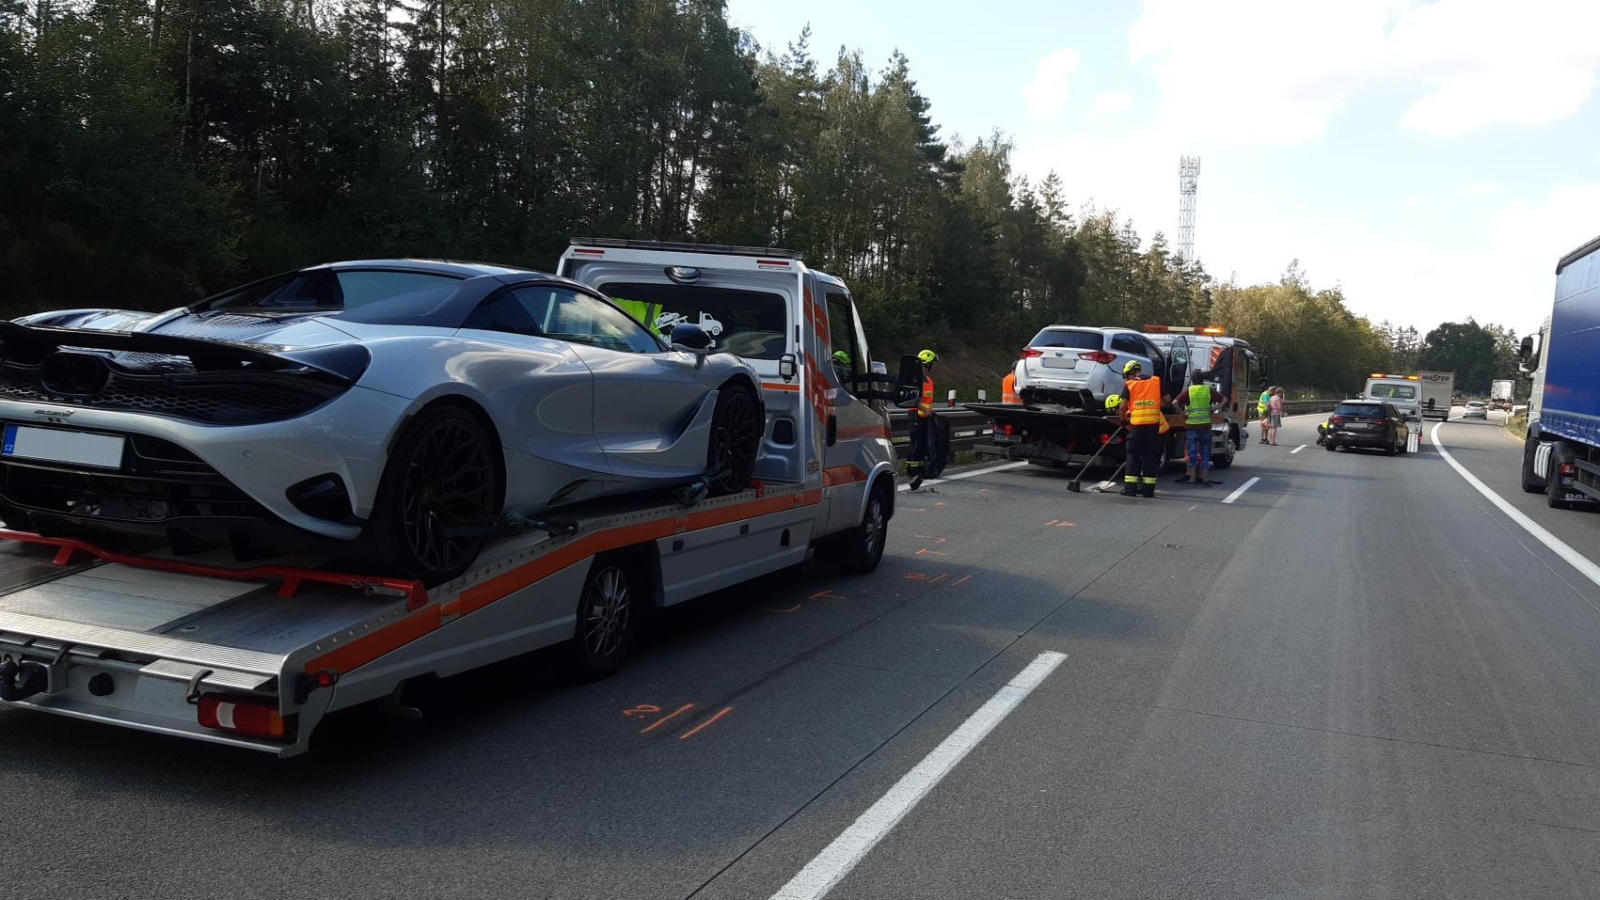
{"x": 1274, "y": 415}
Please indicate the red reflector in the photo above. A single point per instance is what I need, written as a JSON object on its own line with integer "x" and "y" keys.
{"x": 583, "y": 252}
{"x": 1030, "y": 353}
{"x": 244, "y": 715}
{"x": 1099, "y": 356}
{"x": 773, "y": 263}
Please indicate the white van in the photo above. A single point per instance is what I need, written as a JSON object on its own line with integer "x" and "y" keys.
{"x": 1404, "y": 391}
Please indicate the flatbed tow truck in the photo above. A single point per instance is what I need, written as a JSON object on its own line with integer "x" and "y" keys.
{"x": 1058, "y": 428}
{"x": 255, "y": 657}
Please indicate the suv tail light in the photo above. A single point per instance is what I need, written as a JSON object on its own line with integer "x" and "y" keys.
{"x": 1030, "y": 353}
{"x": 1337, "y": 420}
{"x": 1381, "y": 422}
{"x": 1099, "y": 356}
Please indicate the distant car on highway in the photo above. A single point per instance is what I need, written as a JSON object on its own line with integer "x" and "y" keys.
{"x": 1476, "y": 409}
{"x": 1369, "y": 424}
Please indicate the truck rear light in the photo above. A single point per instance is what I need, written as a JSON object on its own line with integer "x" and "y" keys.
{"x": 1030, "y": 353}
{"x": 1568, "y": 470}
{"x": 245, "y": 715}
{"x": 1099, "y": 356}
{"x": 1006, "y": 429}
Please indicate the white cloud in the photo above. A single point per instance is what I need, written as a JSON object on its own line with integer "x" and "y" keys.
{"x": 1047, "y": 92}
{"x": 1111, "y": 102}
{"x": 1487, "y": 63}
{"x": 1479, "y": 189}
{"x": 1271, "y": 72}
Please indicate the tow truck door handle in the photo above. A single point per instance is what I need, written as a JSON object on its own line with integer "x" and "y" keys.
{"x": 833, "y": 429}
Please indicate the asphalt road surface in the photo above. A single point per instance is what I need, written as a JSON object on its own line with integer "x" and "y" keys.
{"x": 1359, "y": 678}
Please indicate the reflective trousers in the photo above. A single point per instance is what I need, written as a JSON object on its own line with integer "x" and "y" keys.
{"x": 1144, "y": 454}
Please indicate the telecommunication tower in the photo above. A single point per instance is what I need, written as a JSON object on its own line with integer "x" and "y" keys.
{"x": 1188, "y": 184}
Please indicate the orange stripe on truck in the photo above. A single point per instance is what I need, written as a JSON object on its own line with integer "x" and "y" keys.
{"x": 363, "y": 650}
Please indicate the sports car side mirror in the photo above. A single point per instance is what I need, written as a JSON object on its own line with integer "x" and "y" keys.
{"x": 688, "y": 338}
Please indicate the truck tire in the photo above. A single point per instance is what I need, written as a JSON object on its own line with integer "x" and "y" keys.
{"x": 609, "y": 611}
{"x": 1226, "y": 460}
{"x": 1531, "y": 482}
{"x": 861, "y": 549}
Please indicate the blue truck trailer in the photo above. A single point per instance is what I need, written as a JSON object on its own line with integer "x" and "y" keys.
{"x": 1561, "y": 457}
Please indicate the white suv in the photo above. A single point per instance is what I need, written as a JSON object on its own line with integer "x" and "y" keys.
{"x": 1076, "y": 357}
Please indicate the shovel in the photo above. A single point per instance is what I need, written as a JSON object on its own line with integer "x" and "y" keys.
{"x": 1109, "y": 483}
{"x": 1075, "y": 484}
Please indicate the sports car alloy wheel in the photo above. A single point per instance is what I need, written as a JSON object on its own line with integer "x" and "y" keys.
{"x": 439, "y": 492}
{"x": 449, "y": 482}
{"x": 735, "y": 439}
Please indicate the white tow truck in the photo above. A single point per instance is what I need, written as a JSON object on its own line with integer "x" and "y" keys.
{"x": 256, "y": 657}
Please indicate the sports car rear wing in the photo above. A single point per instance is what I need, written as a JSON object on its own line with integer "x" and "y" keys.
{"x": 30, "y": 344}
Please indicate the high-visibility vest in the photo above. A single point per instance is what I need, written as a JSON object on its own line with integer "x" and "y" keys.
{"x": 1008, "y": 389}
{"x": 1261, "y": 405}
{"x": 1144, "y": 401}
{"x": 1199, "y": 405}
{"x": 925, "y": 408}
{"x": 644, "y": 313}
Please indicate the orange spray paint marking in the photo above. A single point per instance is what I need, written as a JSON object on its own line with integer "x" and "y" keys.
{"x": 825, "y": 595}
{"x": 940, "y": 503}
{"x": 941, "y": 577}
{"x": 642, "y": 710}
{"x": 668, "y": 718}
{"x": 936, "y": 540}
{"x": 704, "y": 725}
{"x": 960, "y": 581}
{"x": 926, "y": 552}
{"x": 794, "y": 608}
{"x": 916, "y": 576}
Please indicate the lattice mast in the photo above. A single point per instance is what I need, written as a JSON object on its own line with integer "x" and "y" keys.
{"x": 1188, "y": 184}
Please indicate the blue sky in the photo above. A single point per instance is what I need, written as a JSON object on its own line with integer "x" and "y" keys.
{"x": 1433, "y": 159}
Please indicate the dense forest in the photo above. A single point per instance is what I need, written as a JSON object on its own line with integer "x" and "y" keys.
{"x": 152, "y": 151}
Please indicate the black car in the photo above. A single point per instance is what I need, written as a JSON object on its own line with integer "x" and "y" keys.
{"x": 1370, "y": 424}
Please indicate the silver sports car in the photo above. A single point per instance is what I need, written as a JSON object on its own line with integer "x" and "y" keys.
{"x": 399, "y": 407}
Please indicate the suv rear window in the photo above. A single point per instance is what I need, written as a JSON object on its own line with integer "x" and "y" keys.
{"x": 1070, "y": 338}
{"x": 1369, "y": 410}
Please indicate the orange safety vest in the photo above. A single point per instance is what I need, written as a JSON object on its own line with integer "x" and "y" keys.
{"x": 1144, "y": 402}
{"x": 1008, "y": 389}
{"x": 925, "y": 408}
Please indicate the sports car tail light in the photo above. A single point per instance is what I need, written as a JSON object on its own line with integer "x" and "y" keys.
{"x": 1030, "y": 353}
{"x": 245, "y": 715}
{"x": 1099, "y": 356}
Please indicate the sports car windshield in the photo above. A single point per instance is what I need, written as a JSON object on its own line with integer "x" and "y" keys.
{"x": 328, "y": 289}
{"x": 751, "y": 324}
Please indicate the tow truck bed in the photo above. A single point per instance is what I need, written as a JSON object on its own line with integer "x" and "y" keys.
{"x": 135, "y": 643}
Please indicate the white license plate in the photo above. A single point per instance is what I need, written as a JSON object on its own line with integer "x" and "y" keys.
{"x": 1008, "y": 439}
{"x": 103, "y": 451}
{"x": 1060, "y": 360}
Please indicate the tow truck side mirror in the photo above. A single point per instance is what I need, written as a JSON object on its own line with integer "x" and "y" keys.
{"x": 909, "y": 387}
{"x": 1525, "y": 349}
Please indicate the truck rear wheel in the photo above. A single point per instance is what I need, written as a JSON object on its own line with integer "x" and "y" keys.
{"x": 609, "y": 610}
{"x": 1225, "y": 461}
{"x": 1531, "y": 482}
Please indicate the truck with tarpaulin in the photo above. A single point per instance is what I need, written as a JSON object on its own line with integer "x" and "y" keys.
{"x": 1561, "y": 454}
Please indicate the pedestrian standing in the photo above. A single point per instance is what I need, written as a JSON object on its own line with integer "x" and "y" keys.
{"x": 1197, "y": 402}
{"x": 1275, "y": 414}
{"x": 1261, "y": 411}
{"x": 922, "y": 442}
{"x": 1142, "y": 408}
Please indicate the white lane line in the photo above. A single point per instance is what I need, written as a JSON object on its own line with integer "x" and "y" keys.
{"x": 1241, "y": 489}
{"x": 971, "y": 473}
{"x": 849, "y": 848}
{"x": 1297, "y": 449}
{"x": 1561, "y": 548}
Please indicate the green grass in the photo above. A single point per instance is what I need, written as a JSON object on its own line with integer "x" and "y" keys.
{"x": 1518, "y": 425}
